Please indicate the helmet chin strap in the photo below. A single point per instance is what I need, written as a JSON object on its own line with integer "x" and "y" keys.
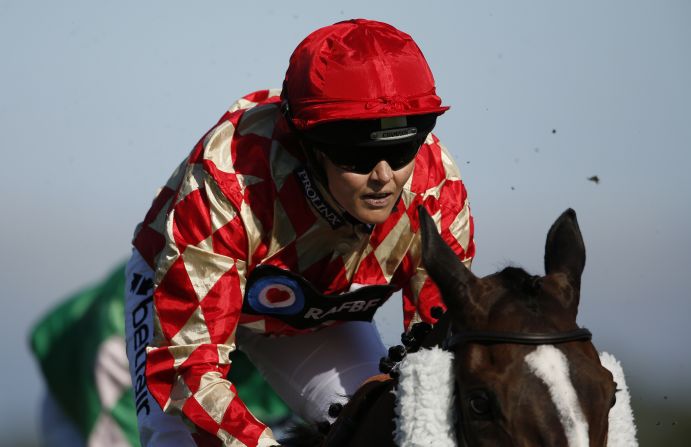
{"x": 315, "y": 166}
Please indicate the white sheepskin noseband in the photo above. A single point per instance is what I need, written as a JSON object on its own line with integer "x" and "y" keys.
{"x": 622, "y": 428}
{"x": 425, "y": 398}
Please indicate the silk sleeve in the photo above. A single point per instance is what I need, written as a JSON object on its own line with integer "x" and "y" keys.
{"x": 199, "y": 287}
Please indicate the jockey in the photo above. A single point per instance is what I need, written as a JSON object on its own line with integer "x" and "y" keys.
{"x": 292, "y": 220}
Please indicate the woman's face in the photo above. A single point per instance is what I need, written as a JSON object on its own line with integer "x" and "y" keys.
{"x": 367, "y": 197}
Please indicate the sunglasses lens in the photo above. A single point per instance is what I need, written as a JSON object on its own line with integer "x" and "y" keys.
{"x": 363, "y": 161}
{"x": 401, "y": 158}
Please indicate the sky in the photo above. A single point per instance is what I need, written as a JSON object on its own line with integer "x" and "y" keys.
{"x": 101, "y": 100}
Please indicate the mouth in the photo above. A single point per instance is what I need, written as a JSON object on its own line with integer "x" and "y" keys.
{"x": 377, "y": 199}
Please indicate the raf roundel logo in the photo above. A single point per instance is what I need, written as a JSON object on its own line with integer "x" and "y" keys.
{"x": 276, "y": 295}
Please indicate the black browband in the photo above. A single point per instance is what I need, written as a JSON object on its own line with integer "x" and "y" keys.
{"x": 492, "y": 337}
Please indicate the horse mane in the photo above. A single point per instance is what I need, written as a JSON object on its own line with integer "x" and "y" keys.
{"x": 305, "y": 434}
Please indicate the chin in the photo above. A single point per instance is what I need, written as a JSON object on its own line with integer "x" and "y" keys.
{"x": 373, "y": 217}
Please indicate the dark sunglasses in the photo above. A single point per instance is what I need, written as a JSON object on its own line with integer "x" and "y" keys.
{"x": 362, "y": 160}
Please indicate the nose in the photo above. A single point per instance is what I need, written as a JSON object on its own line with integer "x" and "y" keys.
{"x": 382, "y": 172}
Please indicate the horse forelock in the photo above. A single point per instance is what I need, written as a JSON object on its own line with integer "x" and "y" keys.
{"x": 514, "y": 275}
{"x": 519, "y": 301}
{"x": 519, "y": 284}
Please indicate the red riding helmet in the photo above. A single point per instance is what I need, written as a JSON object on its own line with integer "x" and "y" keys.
{"x": 357, "y": 70}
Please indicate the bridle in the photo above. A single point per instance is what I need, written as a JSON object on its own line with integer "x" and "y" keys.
{"x": 499, "y": 337}
{"x": 528, "y": 338}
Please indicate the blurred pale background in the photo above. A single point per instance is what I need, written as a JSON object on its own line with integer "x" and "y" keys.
{"x": 99, "y": 101}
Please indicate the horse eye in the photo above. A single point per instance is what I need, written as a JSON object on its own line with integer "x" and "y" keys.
{"x": 480, "y": 403}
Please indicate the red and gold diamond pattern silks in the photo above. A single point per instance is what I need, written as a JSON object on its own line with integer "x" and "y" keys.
{"x": 235, "y": 203}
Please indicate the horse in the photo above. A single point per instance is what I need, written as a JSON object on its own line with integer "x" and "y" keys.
{"x": 520, "y": 370}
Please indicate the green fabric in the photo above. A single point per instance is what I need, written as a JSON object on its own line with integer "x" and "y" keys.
{"x": 66, "y": 343}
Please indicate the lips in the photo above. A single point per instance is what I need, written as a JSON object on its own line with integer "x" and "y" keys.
{"x": 377, "y": 200}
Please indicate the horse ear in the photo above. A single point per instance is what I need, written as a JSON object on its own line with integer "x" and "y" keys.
{"x": 565, "y": 250}
{"x": 443, "y": 266}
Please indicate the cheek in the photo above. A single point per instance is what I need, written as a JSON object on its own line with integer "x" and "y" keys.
{"x": 402, "y": 175}
{"x": 344, "y": 184}
{"x": 353, "y": 182}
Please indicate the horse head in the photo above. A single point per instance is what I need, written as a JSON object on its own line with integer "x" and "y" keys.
{"x": 526, "y": 374}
